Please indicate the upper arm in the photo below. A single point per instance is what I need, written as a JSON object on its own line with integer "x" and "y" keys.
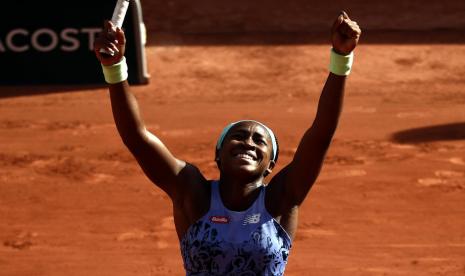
{"x": 296, "y": 179}
{"x": 157, "y": 162}
{"x": 306, "y": 165}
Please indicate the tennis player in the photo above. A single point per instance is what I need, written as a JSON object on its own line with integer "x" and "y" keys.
{"x": 238, "y": 224}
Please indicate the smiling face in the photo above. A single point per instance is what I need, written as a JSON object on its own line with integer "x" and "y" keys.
{"x": 246, "y": 150}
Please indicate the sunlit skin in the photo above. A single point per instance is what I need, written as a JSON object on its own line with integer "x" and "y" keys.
{"x": 245, "y": 157}
{"x": 240, "y": 175}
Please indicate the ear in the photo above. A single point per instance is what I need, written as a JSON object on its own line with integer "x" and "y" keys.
{"x": 217, "y": 158}
{"x": 270, "y": 168}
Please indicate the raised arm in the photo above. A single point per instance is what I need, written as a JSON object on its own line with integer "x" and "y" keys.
{"x": 152, "y": 155}
{"x": 302, "y": 172}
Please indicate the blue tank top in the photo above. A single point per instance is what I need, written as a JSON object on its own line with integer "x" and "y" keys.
{"x": 225, "y": 242}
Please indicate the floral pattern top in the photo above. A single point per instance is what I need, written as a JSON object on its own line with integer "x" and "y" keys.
{"x": 225, "y": 242}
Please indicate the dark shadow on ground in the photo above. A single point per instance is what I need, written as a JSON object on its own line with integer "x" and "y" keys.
{"x": 439, "y": 36}
{"x": 447, "y": 132}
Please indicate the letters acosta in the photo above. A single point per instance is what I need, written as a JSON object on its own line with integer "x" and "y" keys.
{"x": 45, "y": 39}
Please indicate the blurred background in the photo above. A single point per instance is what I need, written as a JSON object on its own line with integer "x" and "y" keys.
{"x": 304, "y": 16}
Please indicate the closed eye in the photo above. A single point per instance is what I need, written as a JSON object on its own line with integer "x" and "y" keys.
{"x": 260, "y": 142}
{"x": 241, "y": 135}
{"x": 259, "y": 139}
{"x": 237, "y": 136}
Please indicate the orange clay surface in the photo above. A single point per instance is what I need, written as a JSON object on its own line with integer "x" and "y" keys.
{"x": 390, "y": 199}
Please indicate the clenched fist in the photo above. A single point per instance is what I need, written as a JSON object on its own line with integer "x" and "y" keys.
{"x": 345, "y": 34}
{"x": 111, "y": 40}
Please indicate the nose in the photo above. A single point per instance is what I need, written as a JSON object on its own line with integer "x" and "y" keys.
{"x": 248, "y": 141}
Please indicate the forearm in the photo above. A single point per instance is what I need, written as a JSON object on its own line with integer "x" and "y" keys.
{"x": 345, "y": 35}
{"x": 329, "y": 106}
{"x": 125, "y": 112}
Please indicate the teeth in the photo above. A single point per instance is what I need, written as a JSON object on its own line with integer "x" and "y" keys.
{"x": 245, "y": 156}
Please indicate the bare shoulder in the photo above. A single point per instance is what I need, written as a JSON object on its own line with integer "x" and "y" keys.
{"x": 279, "y": 204}
{"x": 192, "y": 200}
{"x": 191, "y": 181}
{"x": 276, "y": 193}
{"x": 193, "y": 192}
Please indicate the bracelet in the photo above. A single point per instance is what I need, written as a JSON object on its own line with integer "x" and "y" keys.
{"x": 116, "y": 73}
{"x": 340, "y": 65}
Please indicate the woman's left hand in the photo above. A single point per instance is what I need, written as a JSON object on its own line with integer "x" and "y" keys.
{"x": 345, "y": 34}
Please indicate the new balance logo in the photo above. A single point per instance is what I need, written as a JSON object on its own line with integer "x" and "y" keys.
{"x": 251, "y": 219}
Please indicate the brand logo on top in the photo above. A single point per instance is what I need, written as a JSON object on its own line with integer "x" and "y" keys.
{"x": 219, "y": 219}
{"x": 251, "y": 219}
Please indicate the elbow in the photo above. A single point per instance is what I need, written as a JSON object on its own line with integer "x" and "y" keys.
{"x": 131, "y": 139}
{"x": 129, "y": 142}
{"x": 323, "y": 134}
{"x": 325, "y": 143}
{"x": 325, "y": 129}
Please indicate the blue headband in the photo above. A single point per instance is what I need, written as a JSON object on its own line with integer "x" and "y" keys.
{"x": 270, "y": 132}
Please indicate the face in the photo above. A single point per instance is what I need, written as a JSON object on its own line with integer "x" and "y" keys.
{"x": 246, "y": 149}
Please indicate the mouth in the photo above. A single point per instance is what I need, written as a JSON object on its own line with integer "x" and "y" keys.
{"x": 249, "y": 156}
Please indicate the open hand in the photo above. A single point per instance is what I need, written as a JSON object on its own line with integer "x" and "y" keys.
{"x": 112, "y": 40}
{"x": 345, "y": 34}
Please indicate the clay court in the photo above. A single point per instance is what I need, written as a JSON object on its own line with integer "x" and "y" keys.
{"x": 391, "y": 196}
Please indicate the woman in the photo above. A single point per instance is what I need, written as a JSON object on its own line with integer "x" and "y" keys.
{"x": 237, "y": 225}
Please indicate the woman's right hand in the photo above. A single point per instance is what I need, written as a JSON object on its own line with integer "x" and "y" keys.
{"x": 112, "y": 40}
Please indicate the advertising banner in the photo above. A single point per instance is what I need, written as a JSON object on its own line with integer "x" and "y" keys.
{"x": 51, "y": 42}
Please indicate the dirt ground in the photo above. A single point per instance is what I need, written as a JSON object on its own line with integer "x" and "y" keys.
{"x": 390, "y": 199}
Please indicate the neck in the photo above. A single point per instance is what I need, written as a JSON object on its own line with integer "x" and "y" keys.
{"x": 239, "y": 195}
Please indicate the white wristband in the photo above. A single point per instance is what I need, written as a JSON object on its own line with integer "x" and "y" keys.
{"x": 116, "y": 73}
{"x": 340, "y": 65}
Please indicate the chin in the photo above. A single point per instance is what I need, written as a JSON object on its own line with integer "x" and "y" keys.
{"x": 246, "y": 171}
